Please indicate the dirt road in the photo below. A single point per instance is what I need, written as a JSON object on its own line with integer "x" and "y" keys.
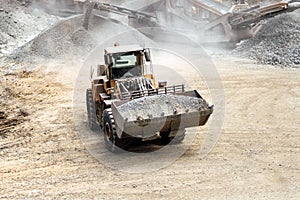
{"x": 257, "y": 156}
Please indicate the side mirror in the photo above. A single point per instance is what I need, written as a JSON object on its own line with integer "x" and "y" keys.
{"x": 91, "y": 72}
{"x": 147, "y": 55}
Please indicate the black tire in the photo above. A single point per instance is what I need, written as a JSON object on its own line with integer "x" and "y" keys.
{"x": 165, "y": 139}
{"x": 91, "y": 111}
{"x": 112, "y": 142}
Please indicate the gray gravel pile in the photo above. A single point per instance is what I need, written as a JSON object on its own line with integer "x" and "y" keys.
{"x": 28, "y": 31}
{"x": 161, "y": 106}
{"x": 277, "y": 43}
{"x": 66, "y": 37}
{"x": 10, "y": 27}
{"x": 19, "y": 24}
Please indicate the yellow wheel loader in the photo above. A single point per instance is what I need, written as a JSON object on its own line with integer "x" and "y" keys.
{"x": 127, "y": 103}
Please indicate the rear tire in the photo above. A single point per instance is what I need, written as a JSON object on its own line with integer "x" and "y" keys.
{"x": 91, "y": 110}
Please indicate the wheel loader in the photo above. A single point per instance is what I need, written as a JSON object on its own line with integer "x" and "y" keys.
{"x": 129, "y": 106}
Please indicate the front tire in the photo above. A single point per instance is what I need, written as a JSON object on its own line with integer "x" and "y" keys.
{"x": 112, "y": 141}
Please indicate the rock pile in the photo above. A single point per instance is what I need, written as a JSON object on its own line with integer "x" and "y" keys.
{"x": 66, "y": 37}
{"x": 161, "y": 106}
{"x": 19, "y": 24}
{"x": 277, "y": 43}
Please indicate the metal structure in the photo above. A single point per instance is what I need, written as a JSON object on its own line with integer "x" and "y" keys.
{"x": 236, "y": 23}
{"x": 129, "y": 105}
{"x": 106, "y": 7}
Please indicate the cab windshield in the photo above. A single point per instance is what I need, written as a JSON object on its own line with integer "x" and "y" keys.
{"x": 125, "y": 65}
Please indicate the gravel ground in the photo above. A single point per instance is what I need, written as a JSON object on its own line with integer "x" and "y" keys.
{"x": 42, "y": 156}
{"x": 277, "y": 43}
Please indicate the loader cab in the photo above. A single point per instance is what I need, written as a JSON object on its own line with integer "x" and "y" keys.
{"x": 125, "y": 62}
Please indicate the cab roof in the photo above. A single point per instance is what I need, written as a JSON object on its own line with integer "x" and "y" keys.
{"x": 123, "y": 49}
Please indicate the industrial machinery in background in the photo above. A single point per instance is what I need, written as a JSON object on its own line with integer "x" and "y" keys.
{"x": 130, "y": 106}
{"x": 236, "y": 22}
{"x": 232, "y": 23}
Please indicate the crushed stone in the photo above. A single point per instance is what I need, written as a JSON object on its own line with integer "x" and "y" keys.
{"x": 277, "y": 43}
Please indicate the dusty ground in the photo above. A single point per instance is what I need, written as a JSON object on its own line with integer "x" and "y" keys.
{"x": 42, "y": 155}
{"x": 257, "y": 156}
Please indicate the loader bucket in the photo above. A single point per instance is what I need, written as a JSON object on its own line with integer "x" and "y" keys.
{"x": 146, "y": 116}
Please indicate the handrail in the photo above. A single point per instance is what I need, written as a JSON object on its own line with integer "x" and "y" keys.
{"x": 152, "y": 92}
